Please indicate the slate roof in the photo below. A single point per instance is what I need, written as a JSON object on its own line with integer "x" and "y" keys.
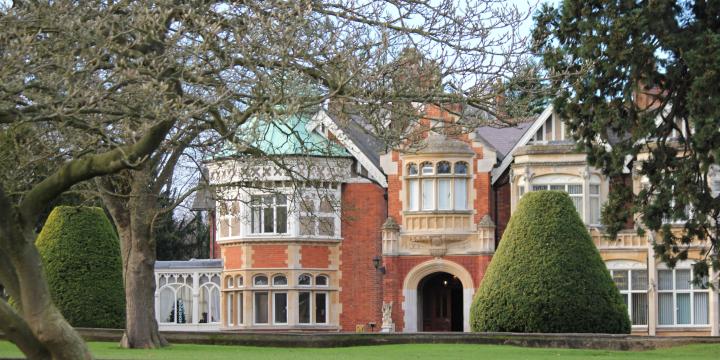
{"x": 355, "y": 127}
{"x": 503, "y": 138}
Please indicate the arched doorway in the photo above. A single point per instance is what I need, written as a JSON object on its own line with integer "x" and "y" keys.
{"x": 421, "y": 277}
{"x": 440, "y": 302}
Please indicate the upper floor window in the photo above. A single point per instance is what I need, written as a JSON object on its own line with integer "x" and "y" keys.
{"x": 440, "y": 186}
{"x": 280, "y": 280}
{"x": 260, "y": 280}
{"x": 305, "y": 280}
{"x": 573, "y": 186}
{"x": 318, "y": 215}
{"x": 269, "y": 214}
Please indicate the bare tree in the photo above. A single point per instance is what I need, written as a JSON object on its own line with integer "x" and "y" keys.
{"x": 102, "y": 85}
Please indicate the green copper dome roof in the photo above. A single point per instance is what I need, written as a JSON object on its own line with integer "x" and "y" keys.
{"x": 284, "y": 135}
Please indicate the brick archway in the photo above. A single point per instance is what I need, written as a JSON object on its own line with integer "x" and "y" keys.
{"x": 422, "y": 270}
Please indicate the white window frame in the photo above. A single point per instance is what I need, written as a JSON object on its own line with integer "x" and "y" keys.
{"x": 255, "y": 308}
{"x": 274, "y": 305}
{"x": 631, "y": 266}
{"x": 229, "y": 303}
{"x": 327, "y": 307}
{"x": 675, "y": 291}
{"x": 315, "y": 199}
{"x": 597, "y": 197}
{"x": 310, "y": 307}
{"x": 240, "y": 312}
{"x": 252, "y": 207}
{"x": 434, "y": 179}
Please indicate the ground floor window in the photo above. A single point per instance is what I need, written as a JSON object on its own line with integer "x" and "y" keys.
{"x": 633, "y": 286}
{"x": 280, "y": 308}
{"x": 679, "y": 301}
{"x": 320, "y": 308}
{"x": 240, "y": 309}
{"x": 260, "y": 308}
{"x": 230, "y": 309}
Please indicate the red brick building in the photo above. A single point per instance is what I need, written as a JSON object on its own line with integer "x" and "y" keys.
{"x": 367, "y": 230}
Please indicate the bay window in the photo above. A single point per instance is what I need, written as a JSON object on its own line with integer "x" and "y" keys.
{"x": 439, "y": 186}
{"x": 680, "y": 302}
{"x": 318, "y": 215}
{"x": 269, "y": 214}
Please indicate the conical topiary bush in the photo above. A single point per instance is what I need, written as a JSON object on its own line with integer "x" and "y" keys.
{"x": 81, "y": 256}
{"x": 547, "y": 275}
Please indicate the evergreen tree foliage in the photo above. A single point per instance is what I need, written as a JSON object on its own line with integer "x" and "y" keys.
{"x": 81, "y": 256}
{"x": 180, "y": 239}
{"x": 547, "y": 275}
{"x": 645, "y": 80}
{"x": 527, "y": 92}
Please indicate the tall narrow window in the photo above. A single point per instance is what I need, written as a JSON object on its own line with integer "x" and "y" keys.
{"x": 595, "y": 204}
{"x": 444, "y": 194}
{"x": 304, "y": 307}
{"x": 413, "y": 193}
{"x": 261, "y": 308}
{"x": 230, "y": 303}
{"x": 321, "y": 308}
{"x": 240, "y": 309}
{"x": 428, "y": 194}
{"x": 280, "y": 308}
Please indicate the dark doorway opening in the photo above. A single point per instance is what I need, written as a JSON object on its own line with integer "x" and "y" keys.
{"x": 440, "y": 303}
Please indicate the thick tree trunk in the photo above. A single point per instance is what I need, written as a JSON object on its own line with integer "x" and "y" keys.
{"x": 20, "y": 334}
{"x": 141, "y": 328}
{"x": 133, "y": 214}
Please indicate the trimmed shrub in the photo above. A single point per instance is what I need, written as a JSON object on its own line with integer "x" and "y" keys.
{"x": 547, "y": 275}
{"x": 81, "y": 256}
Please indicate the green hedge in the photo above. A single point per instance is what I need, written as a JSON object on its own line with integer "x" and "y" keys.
{"x": 81, "y": 255}
{"x": 547, "y": 275}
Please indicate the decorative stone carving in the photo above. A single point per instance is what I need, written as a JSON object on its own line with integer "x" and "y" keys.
{"x": 387, "y": 323}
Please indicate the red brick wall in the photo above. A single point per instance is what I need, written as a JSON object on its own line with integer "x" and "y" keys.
{"x": 316, "y": 257}
{"x": 269, "y": 256}
{"x": 399, "y": 266}
{"x": 232, "y": 257}
{"x": 394, "y": 204}
{"x": 501, "y": 201}
{"x": 363, "y": 213}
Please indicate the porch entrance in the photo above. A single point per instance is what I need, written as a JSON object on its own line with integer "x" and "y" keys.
{"x": 440, "y": 300}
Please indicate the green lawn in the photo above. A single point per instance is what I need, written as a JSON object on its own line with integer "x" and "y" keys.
{"x": 106, "y": 350}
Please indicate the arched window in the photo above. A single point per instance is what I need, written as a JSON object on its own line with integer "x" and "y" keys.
{"x": 229, "y": 283}
{"x": 176, "y": 304}
{"x": 443, "y": 167}
{"x": 279, "y": 280}
{"x": 412, "y": 169}
{"x": 260, "y": 280}
{"x": 305, "y": 280}
{"x": 321, "y": 280}
{"x": 442, "y": 187}
{"x": 461, "y": 168}
{"x": 239, "y": 281}
{"x": 209, "y": 303}
{"x": 426, "y": 168}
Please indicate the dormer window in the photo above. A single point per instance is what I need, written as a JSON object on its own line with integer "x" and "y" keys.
{"x": 439, "y": 186}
